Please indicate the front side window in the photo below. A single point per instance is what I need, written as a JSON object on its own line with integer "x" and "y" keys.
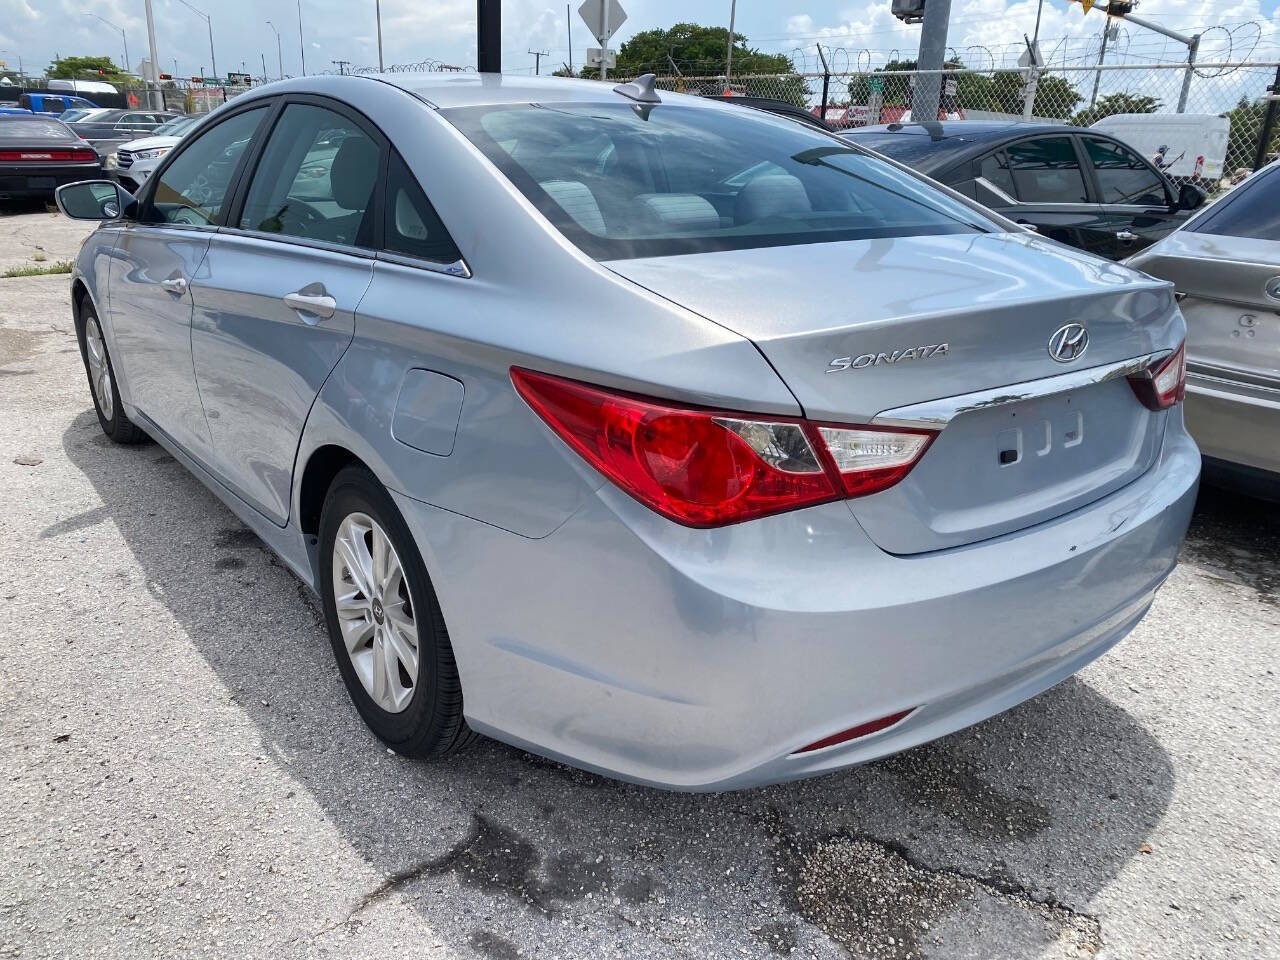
{"x": 315, "y": 180}
{"x": 621, "y": 180}
{"x": 1251, "y": 210}
{"x": 1123, "y": 176}
{"x": 193, "y": 188}
{"x": 1046, "y": 170}
{"x": 412, "y": 227}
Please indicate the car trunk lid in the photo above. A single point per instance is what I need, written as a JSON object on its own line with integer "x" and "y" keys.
{"x": 859, "y": 330}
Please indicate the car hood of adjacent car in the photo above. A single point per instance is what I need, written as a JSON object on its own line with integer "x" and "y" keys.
{"x": 993, "y": 299}
{"x": 148, "y": 143}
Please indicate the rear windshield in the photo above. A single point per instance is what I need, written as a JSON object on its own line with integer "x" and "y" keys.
{"x": 21, "y": 129}
{"x": 624, "y": 180}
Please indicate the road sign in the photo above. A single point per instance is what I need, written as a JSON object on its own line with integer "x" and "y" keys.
{"x": 875, "y": 84}
{"x": 239, "y": 79}
{"x": 949, "y": 87}
{"x": 593, "y": 58}
{"x": 592, "y": 14}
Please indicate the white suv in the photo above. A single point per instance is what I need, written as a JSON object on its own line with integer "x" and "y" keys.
{"x": 134, "y": 161}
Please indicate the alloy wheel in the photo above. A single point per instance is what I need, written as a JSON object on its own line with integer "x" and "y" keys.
{"x": 375, "y": 612}
{"x": 99, "y": 369}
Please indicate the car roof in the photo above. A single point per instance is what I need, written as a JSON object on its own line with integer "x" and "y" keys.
{"x": 445, "y": 90}
{"x": 930, "y": 145}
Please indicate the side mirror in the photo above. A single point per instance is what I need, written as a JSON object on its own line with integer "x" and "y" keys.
{"x": 1191, "y": 197}
{"x": 95, "y": 200}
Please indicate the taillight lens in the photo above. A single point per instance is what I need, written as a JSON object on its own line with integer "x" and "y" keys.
{"x": 1164, "y": 383}
{"x": 706, "y": 468}
{"x": 72, "y": 155}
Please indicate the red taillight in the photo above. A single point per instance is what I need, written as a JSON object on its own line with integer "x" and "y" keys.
{"x": 706, "y": 468}
{"x": 47, "y": 156}
{"x": 1164, "y": 383}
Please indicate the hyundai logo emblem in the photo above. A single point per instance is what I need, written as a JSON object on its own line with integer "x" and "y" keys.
{"x": 1068, "y": 343}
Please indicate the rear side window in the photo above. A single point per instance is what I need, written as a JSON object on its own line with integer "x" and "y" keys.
{"x": 1123, "y": 176}
{"x": 194, "y": 186}
{"x": 1251, "y": 210}
{"x": 412, "y": 227}
{"x": 1046, "y": 170}
{"x": 315, "y": 180}
{"x": 621, "y": 180}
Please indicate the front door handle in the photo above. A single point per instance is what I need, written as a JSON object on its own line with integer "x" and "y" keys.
{"x": 317, "y": 304}
{"x": 176, "y": 285}
{"x": 1125, "y": 236}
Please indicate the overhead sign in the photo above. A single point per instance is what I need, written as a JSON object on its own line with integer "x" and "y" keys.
{"x": 592, "y": 13}
{"x": 239, "y": 79}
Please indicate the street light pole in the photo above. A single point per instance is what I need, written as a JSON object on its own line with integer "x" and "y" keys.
{"x": 377, "y": 13}
{"x": 123, "y": 36}
{"x": 302, "y": 49}
{"x": 208, "y": 22}
{"x": 728, "y": 59}
{"x": 279, "y": 54}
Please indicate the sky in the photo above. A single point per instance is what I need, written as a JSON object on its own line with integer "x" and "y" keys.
{"x": 858, "y": 34}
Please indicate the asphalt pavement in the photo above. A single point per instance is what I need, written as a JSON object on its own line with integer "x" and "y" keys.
{"x": 182, "y": 773}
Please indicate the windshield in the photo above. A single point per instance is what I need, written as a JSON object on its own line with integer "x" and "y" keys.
{"x": 20, "y": 129}
{"x": 175, "y": 127}
{"x": 626, "y": 180}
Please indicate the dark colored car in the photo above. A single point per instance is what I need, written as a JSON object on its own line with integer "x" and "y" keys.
{"x": 1072, "y": 184}
{"x": 39, "y": 154}
{"x": 782, "y": 108}
{"x": 107, "y": 131}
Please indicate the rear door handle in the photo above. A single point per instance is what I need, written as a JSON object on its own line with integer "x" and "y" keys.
{"x": 176, "y": 285}
{"x": 317, "y": 304}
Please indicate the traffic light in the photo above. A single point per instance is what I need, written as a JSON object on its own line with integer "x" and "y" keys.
{"x": 166, "y": 76}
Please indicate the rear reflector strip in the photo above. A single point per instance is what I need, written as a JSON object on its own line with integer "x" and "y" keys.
{"x": 853, "y": 733}
{"x": 47, "y": 156}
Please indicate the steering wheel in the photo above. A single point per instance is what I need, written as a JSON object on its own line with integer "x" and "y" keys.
{"x": 302, "y": 216}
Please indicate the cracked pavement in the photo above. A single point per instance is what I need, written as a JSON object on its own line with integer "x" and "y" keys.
{"x": 183, "y": 773}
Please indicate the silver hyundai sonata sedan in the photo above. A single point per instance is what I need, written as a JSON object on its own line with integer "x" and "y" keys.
{"x": 671, "y": 440}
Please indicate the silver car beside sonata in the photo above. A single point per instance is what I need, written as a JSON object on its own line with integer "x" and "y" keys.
{"x": 671, "y": 440}
{"x": 1225, "y": 263}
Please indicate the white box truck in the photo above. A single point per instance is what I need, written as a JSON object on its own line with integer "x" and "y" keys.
{"x": 1183, "y": 145}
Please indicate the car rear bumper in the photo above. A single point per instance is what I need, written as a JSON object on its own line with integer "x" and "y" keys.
{"x": 1235, "y": 421}
{"x": 704, "y": 659}
{"x": 25, "y": 182}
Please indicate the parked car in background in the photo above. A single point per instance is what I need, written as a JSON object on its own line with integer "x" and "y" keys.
{"x": 1073, "y": 185}
{"x": 38, "y": 154}
{"x": 644, "y": 431}
{"x": 107, "y": 131}
{"x": 76, "y": 114}
{"x": 53, "y": 103}
{"x": 1226, "y": 266}
{"x": 782, "y": 108}
{"x": 133, "y": 162}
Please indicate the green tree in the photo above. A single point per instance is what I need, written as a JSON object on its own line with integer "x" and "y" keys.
{"x": 84, "y": 68}
{"x": 1246, "y": 129}
{"x": 1114, "y": 103}
{"x": 697, "y": 50}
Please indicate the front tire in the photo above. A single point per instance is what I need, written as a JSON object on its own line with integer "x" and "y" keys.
{"x": 384, "y": 621}
{"x": 102, "y": 381}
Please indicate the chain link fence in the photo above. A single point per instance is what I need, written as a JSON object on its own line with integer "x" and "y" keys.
{"x": 1202, "y": 123}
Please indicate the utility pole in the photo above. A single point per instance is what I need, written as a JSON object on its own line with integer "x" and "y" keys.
{"x": 1192, "y": 42}
{"x": 302, "y": 47}
{"x": 933, "y": 50}
{"x": 1268, "y": 123}
{"x": 377, "y": 13}
{"x": 568, "y": 23}
{"x": 340, "y": 64}
{"x": 489, "y": 36}
{"x": 728, "y": 57}
{"x": 264, "y": 67}
{"x": 279, "y": 54}
{"x": 157, "y": 101}
{"x": 537, "y": 61}
{"x": 1102, "y": 55}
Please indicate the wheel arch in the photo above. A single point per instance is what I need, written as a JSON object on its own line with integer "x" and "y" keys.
{"x": 323, "y": 464}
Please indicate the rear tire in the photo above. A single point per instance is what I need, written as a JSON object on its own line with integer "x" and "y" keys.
{"x": 102, "y": 380}
{"x": 384, "y": 621}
